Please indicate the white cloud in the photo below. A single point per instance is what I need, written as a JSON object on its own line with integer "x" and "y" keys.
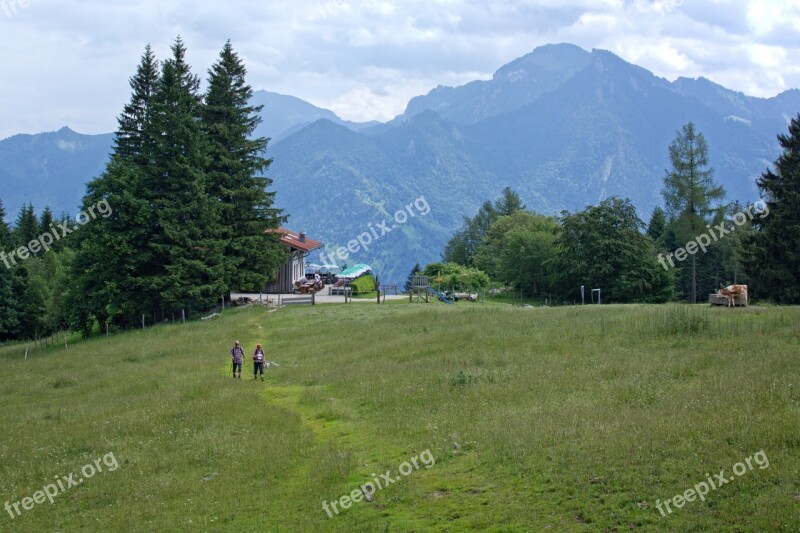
{"x": 767, "y": 56}
{"x": 362, "y": 104}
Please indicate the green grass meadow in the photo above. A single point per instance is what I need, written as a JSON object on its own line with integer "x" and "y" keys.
{"x": 539, "y": 419}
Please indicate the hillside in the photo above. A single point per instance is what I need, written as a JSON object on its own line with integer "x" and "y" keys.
{"x": 563, "y": 126}
{"x": 50, "y": 169}
{"x": 566, "y": 419}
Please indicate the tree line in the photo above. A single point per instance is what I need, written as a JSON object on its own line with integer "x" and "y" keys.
{"x": 191, "y": 214}
{"x": 32, "y": 291}
{"x": 672, "y": 257}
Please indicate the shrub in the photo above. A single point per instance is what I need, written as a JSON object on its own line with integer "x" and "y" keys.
{"x": 455, "y": 276}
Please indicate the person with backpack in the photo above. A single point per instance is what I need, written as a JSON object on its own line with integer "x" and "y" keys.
{"x": 258, "y": 362}
{"x": 237, "y": 355}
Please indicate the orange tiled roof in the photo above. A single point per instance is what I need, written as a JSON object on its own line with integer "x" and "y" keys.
{"x": 293, "y": 239}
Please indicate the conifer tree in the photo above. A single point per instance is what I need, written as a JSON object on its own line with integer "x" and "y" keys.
{"x": 26, "y": 227}
{"x": 129, "y": 139}
{"x": 5, "y": 232}
{"x": 657, "y": 226}
{"x": 410, "y": 280}
{"x": 187, "y": 197}
{"x": 235, "y": 177}
{"x": 509, "y": 202}
{"x": 112, "y": 252}
{"x": 9, "y": 317}
{"x": 689, "y": 190}
{"x": 185, "y": 244}
{"x": 46, "y": 220}
{"x": 773, "y": 260}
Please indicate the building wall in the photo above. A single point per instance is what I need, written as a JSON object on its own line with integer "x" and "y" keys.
{"x": 288, "y": 273}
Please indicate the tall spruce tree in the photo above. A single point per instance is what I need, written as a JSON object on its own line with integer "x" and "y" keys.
{"x": 177, "y": 168}
{"x": 129, "y": 139}
{"x": 236, "y": 180}
{"x": 773, "y": 258}
{"x": 689, "y": 190}
{"x": 657, "y": 226}
{"x": 47, "y": 224}
{"x": 46, "y": 219}
{"x": 185, "y": 244}
{"x": 5, "y": 231}
{"x": 26, "y": 227}
{"x": 9, "y": 316}
{"x": 113, "y": 252}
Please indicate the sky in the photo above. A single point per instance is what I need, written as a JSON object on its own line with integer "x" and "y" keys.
{"x": 68, "y": 63}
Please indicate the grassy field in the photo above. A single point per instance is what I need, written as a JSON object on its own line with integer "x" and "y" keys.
{"x": 559, "y": 419}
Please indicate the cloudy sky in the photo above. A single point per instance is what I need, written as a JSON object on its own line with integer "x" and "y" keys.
{"x": 68, "y": 62}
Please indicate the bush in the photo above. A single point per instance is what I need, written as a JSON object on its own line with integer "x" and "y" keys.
{"x": 455, "y": 276}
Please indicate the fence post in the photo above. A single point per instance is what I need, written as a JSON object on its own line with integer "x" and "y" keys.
{"x": 142, "y": 321}
{"x": 183, "y": 315}
{"x": 314, "y": 298}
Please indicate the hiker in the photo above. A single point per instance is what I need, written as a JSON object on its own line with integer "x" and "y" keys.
{"x": 237, "y": 355}
{"x": 258, "y": 362}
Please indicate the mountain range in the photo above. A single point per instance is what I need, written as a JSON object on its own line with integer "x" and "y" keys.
{"x": 562, "y": 126}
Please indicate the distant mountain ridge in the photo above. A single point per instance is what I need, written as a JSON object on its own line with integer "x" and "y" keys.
{"x": 513, "y": 86}
{"x": 50, "y": 169}
{"x": 563, "y": 126}
{"x": 283, "y": 115}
